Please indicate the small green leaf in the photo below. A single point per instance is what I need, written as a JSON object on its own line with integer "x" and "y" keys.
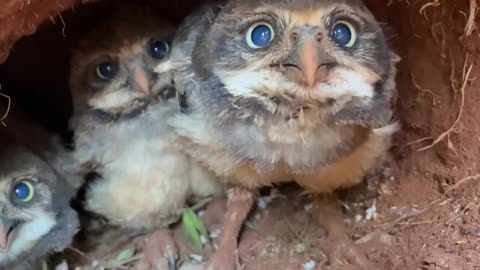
{"x": 125, "y": 255}
{"x": 191, "y": 231}
{"x": 198, "y": 223}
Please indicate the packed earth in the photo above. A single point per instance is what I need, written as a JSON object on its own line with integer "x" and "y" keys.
{"x": 420, "y": 211}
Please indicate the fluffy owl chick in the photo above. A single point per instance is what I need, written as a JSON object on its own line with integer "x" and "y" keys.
{"x": 35, "y": 214}
{"x": 282, "y": 90}
{"x": 121, "y": 133}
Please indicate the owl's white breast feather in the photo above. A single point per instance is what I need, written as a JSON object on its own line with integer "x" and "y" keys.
{"x": 144, "y": 180}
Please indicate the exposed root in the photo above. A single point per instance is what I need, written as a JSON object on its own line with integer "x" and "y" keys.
{"x": 2, "y": 119}
{"x": 419, "y": 141}
{"x": 434, "y": 3}
{"x": 423, "y": 90}
{"x": 64, "y": 26}
{"x": 453, "y": 128}
{"x": 461, "y": 182}
{"x": 470, "y": 26}
{"x": 436, "y": 38}
{"x": 390, "y": 2}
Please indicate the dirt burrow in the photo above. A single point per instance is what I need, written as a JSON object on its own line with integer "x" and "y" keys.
{"x": 426, "y": 208}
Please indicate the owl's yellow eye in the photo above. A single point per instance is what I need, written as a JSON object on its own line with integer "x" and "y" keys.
{"x": 23, "y": 191}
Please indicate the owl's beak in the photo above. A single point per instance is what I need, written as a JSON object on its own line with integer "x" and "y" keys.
{"x": 141, "y": 81}
{"x": 304, "y": 64}
{"x": 7, "y": 226}
{"x": 308, "y": 60}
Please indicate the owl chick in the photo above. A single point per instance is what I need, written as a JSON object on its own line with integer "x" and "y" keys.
{"x": 279, "y": 90}
{"x": 121, "y": 133}
{"x": 35, "y": 218}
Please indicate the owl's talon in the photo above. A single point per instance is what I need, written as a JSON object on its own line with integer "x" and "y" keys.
{"x": 172, "y": 259}
{"x": 346, "y": 254}
{"x": 239, "y": 204}
{"x": 160, "y": 252}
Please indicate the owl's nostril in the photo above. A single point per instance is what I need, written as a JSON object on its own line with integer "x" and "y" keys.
{"x": 294, "y": 36}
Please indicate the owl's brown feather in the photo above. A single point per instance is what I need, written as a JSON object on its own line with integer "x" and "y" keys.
{"x": 37, "y": 225}
{"x": 311, "y": 103}
{"x": 120, "y": 125}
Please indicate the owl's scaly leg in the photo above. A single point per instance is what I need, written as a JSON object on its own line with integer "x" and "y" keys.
{"x": 345, "y": 253}
{"x": 240, "y": 202}
{"x": 159, "y": 252}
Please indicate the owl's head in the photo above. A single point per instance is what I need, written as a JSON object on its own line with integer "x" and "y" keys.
{"x": 112, "y": 70}
{"x": 284, "y": 56}
{"x": 35, "y": 214}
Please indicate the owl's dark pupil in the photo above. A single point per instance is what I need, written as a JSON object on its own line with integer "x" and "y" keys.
{"x": 158, "y": 50}
{"x": 22, "y": 191}
{"x": 106, "y": 70}
{"x": 342, "y": 34}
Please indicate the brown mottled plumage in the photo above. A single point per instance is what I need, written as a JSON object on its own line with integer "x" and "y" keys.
{"x": 35, "y": 214}
{"x": 312, "y": 104}
{"x": 121, "y": 133}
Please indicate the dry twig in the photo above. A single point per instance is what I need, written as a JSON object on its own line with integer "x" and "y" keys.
{"x": 453, "y": 80}
{"x": 64, "y": 26}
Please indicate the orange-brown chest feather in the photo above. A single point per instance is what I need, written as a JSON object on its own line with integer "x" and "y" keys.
{"x": 342, "y": 173}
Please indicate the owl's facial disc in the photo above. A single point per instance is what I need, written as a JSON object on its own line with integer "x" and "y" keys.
{"x": 125, "y": 82}
{"x": 306, "y": 64}
{"x": 23, "y": 217}
{"x": 316, "y": 55}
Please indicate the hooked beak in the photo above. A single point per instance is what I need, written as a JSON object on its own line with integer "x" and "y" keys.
{"x": 140, "y": 79}
{"x": 7, "y": 228}
{"x": 305, "y": 65}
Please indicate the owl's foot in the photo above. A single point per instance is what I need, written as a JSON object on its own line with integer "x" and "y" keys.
{"x": 239, "y": 204}
{"x": 159, "y": 252}
{"x": 222, "y": 260}
{"x": 345, "y": 254}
